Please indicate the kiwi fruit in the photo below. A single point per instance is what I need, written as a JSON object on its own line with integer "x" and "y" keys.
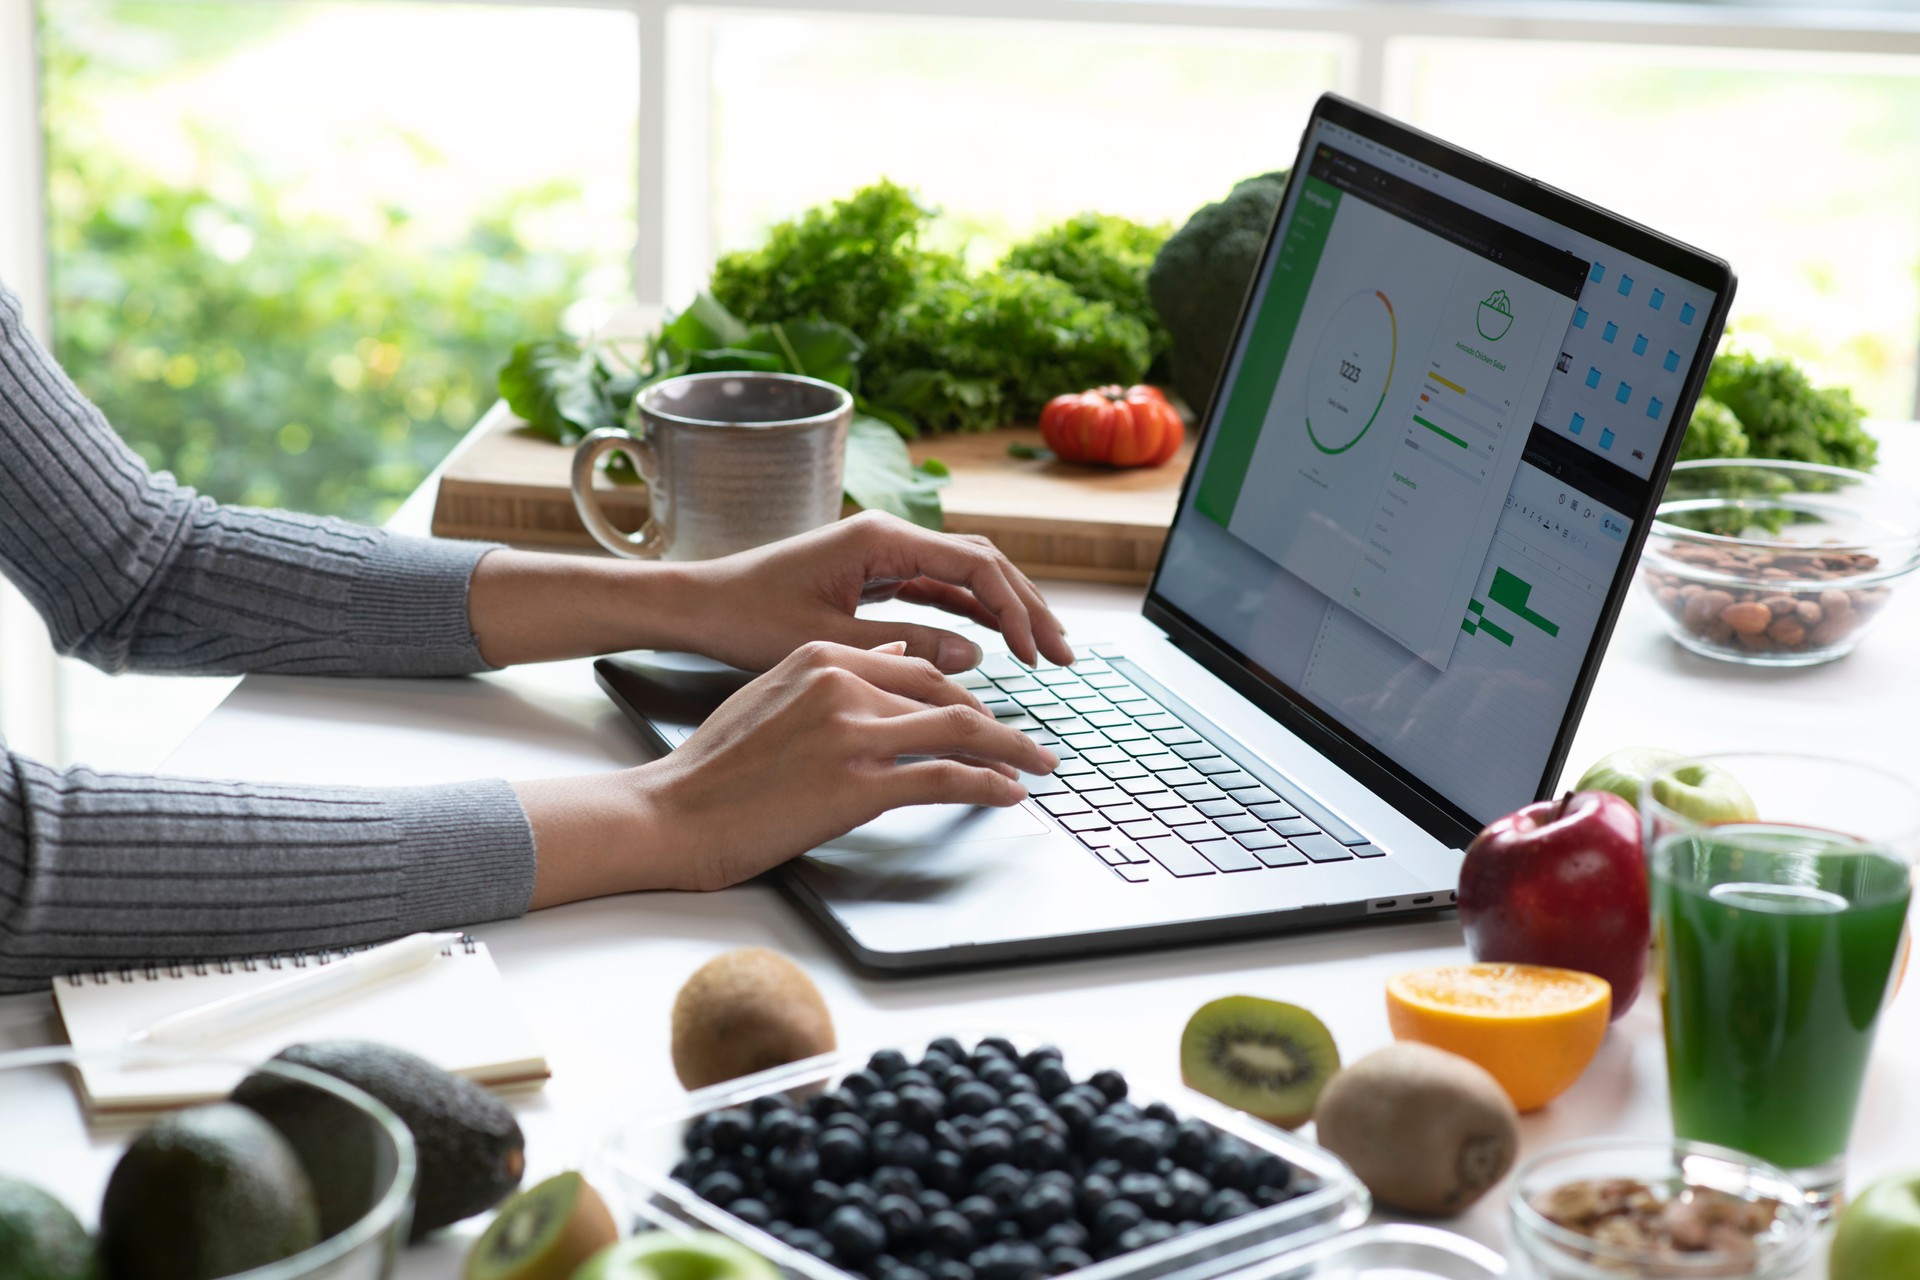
{"x": 1262, "y": 1057}
{"x": 745, "y": 1011}
{"x": 544, "y": 1233}
{"x": 1428, "y": 1131}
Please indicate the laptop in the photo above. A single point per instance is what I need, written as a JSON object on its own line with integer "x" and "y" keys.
{"x": 1451, "y": 402}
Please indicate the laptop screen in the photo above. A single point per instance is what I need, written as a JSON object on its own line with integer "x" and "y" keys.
{"x": 1450, "y": 404}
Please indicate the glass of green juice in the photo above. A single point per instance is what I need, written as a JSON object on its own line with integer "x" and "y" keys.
{"x": 1781, "y": 886}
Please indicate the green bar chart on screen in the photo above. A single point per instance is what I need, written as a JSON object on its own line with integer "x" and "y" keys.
{"x": 1512, "y": 592}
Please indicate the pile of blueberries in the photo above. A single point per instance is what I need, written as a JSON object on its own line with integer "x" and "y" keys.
{"x": 981, "y": 1165}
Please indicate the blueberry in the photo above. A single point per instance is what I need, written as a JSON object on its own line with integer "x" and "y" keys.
{"x": 902, "y": 1218}
{"x": 1189, "y": 1191}
{"x": 856, "y": 1235}
{"x": 1062, "y": 1260}
{"x": 1076, "y": 1113}
{"x": 1162, "y": 1112}
{"x": 1191, "y": 1138}
{"x": 1042, "y": 1206}
{"x": 729, "y": 1129}
{"x": 1037, "y": 1148}
{"x": 949, "y": 1046}
{"x": 1110, "y": 1083}
{"x": 996, "y": 1072}
{"x": 1003, "y": 1183}
{"x": 842, "y": 1154}
{"x": 1030, "y": 1061}
{"x": 1149, "y": 1191}
{"x": 780, "y": 1229}
{"x": 912, "y": 1075}
{"x": 1143, "y": 1143}
{"x": 1226, "y": 1204}
{"x": 1064, "y": 1235}
{"x": 1270, "y": 1172}
{"x": 978, "y": 1210}
{"x": 821, "y": 1199}
{"x": 862, "y": 1196}
{"x": 946, "y": 1136}
{"x": 1227, "y": 1164}
{"x": 847, "y": 1120}
{"x": 1017, "y": 1260}
{"x": 810, "y": 1241}
{"x": 895, "y": 1180}
{"x": 1005, "y": 1229}
{"x": 894, "y": 1143}
{"x": 793, "y": 1169}
{"x": 1019, "y": 1082}
{"x": 1051, "y": 1080}
{"x": 1027, "y": 1104}
{"x": 832, "y": 1102}
{"x": 946, "y": 1171}
{"x": 950, "y": 1233}
{"x": 973, "y": 1098}
{"x": 1108, "y": 1169}
{"x": 905, "y": 1271}
{"x": 1103, "y": 1136}
{"x": 720, "y": 1188}
{"x": 862, "y": 1083}
{"x": 998, "y": 1117}
{"x": 989, "y": 1147}
{"x": 966, "y": 1125}
{"x": 955, "y": 1076}
{"x": 1115, "y": 1218}
{"x": 920, "y": 1106}
{"x": 997, "y": 1044}
{"x": 951, "y": 1269}
{"x": 752, "y": 1212}
{"x": 1123, "y": 1110}
{"x": 887, "y": 1063}
{"x": 932, "y": 1201}
{"x": 1263, "y": 1196}
{"x": 881, "y": 1107}
{"x": 1094, "y": 1190}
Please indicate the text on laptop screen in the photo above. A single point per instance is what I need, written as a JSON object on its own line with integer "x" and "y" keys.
{"x": 1435, "y": 433}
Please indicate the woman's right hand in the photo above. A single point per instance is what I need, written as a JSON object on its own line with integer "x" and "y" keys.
{"x": 829, "y": 739}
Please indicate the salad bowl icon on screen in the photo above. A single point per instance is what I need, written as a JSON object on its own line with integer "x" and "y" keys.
{"x": 1494, "y": 316}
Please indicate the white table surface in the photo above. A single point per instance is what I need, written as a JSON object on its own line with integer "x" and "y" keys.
{"x": 596, "y": 979}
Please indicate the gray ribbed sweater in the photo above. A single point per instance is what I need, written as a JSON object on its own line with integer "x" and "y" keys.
{"x": 133, "y": 572}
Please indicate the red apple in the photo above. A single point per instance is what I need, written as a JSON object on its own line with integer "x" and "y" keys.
{"x": 1563, "y": 883}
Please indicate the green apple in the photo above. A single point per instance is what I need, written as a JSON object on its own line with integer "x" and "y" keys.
{"x": 1622, "y": 771}
{"x": 1879, "y": 1234}
{"x": 1705, "y": 794}
{"x": 668, "y": 1255}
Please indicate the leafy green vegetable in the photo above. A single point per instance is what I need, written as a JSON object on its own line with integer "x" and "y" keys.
{"x": 1201, "y": 276}
{"x": 1104, "y": 258}
{"x": 854, "y": 262}
{"x": 973, "y": 354}
{"x": 1713, "y": 433}
{"x": 564, "y": 391}
{"x": 1783, "y": 415}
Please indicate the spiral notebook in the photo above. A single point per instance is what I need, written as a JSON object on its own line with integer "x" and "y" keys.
{"x": 456, "y": 1012}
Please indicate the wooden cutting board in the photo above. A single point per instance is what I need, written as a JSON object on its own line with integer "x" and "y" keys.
{"x": 1052, "y": 519}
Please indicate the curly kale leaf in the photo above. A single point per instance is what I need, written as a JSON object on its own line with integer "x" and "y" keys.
{"x": 1785, "y": 416}
{"x": 973, "y": 353}
{"x": 853, "y": 262}
{"x": 1104, "y": 258}
{"x": 1713, "y": 433}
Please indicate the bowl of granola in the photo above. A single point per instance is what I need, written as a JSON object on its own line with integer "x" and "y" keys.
{"x": 1666, "y": 1209}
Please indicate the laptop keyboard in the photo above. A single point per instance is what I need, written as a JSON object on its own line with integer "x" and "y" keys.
{"x": 1141, "y": 789}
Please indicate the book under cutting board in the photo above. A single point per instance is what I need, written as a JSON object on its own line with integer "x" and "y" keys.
{"x": 1052, "y": 519}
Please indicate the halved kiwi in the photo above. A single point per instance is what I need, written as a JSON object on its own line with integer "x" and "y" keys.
{"x": 1263, "y": 1057}
{"x": 543, "y": 1233}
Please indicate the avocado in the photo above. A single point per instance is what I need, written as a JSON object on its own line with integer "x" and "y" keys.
{"x": 470, "y": 1150}
{"x": 206, "y": 1192}
{"x": 344, "y": 1153}
{"x": 40, "y": 1239}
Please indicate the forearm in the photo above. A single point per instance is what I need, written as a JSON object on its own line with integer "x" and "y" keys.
{"x": 598, "y": 836}
{"x": 101, "y": 870}
{"x": 531, "y": 607}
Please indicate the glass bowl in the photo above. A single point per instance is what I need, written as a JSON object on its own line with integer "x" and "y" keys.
{"x": 51, "y": 1145}
{"x": 1666, "y": 1167}
{"x": 636, "y": 1161}
{"x": 1383, "y": 1251}
{"x": 1780, "y": 564}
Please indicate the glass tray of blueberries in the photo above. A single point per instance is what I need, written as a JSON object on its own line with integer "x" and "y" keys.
{"x": 984, "y": 1160}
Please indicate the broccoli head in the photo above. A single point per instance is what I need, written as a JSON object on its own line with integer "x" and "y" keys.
{"x": 1201, "y": 275}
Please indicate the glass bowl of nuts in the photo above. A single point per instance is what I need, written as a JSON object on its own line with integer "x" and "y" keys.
{"x": 1659, "y": 1208}
{"x": 1781, "y": 564}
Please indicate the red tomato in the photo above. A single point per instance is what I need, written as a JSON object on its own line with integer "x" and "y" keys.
{"x": 1113, "y": 426}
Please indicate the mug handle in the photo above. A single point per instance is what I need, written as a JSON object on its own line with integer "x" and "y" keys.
{"x": 649, "y": 541}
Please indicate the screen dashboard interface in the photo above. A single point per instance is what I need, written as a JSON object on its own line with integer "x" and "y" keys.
{"x": 1438, "y": 429}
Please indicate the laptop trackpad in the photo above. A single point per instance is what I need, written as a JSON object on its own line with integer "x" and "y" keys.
{"x": 932, "y": 825}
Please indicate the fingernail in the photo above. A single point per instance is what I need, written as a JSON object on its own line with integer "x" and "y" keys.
{"x": 891, "y": 646}
{"x": 1052, "y": 760}
{"x": 957, "y": 654}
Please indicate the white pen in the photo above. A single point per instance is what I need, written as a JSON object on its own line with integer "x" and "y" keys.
{"x": 244, "y": 1011}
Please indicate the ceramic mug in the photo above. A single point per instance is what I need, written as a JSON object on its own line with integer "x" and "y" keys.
{"x": 731, "y": 461}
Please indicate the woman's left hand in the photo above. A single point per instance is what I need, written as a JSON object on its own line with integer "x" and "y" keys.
{"x": 753, "y": 609}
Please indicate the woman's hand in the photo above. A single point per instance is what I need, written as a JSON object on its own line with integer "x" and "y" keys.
{"x": 753, "y": 609}
{"x": 829, "y": 739}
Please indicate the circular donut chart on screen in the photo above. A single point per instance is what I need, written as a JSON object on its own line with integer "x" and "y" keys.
{"x": 1347, "y": 379}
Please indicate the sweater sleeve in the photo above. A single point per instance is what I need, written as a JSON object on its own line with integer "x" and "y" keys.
{"x": 132, "y": 571}
{"x": 102, "y": 870}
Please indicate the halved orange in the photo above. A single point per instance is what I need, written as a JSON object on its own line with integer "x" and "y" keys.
{"x": 1533, "y": 1028}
